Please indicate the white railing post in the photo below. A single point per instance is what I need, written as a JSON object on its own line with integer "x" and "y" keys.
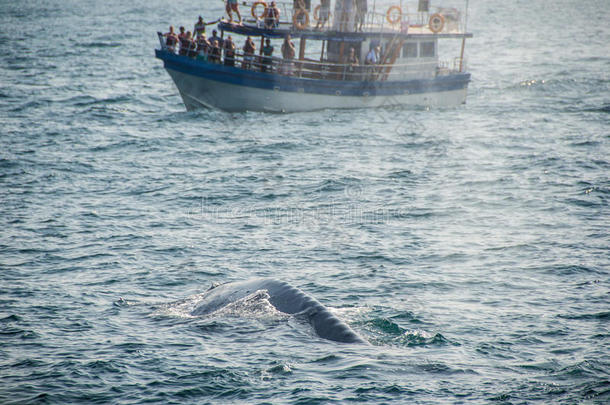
{"x": 161, "y": 41}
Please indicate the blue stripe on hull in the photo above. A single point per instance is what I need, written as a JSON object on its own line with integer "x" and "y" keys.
{"x": 249, "y": 78}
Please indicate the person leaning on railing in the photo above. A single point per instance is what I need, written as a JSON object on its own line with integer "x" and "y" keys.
{"x": 268, "y": 53}
{"x": 353, "y": 65}
{"x": 181, "y": 41}
{"x": 191, "y": 45}
{"x": 229, "y": 48}
{"x": 249, "y": 50}
{"x": 215, "y": 37}
{"x": 288, "y": 52}
{"x": 372, "y": 59}
{"x": 202, "y": 47}
{"x": 215, "y": 51}
{"x": 185, "y": 43}
{"x": 171, "y": 39}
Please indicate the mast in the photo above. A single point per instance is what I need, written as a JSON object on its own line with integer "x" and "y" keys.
{"x": 464, "y": 37}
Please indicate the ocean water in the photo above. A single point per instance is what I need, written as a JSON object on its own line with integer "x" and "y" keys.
{"x": 470, "y": 246}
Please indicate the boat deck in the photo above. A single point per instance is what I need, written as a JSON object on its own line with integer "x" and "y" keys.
{"x": 252, "y": 29}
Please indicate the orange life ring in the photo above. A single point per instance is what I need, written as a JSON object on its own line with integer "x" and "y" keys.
{"x": 295, "y": 19}
{"x": 388, "y": 15}
{"x": 253, "y": 9}
{"x": 436, "y": 23}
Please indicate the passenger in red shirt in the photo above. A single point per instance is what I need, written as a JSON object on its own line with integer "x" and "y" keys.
{"x": 191, "y": 50}
{"x": 182, "y": 34}
{"x": 171, "y": 39}
{"x": 183, "y": 37}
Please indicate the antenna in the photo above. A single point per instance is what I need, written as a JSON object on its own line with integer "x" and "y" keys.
{"x": 464, "y": 37}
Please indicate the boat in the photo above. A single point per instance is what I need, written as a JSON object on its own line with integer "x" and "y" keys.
{"x": 334, "y": 67}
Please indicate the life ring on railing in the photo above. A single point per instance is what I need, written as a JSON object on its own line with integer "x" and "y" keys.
{"x": 296, "y": 22}
{"x": 436, "y": 23}
{"x": 253, "y": 9}
{"x": 388, "y": 15}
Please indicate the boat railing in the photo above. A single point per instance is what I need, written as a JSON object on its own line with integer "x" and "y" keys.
{"x": 325, "y": 70}
{"x": 399, "y": 19}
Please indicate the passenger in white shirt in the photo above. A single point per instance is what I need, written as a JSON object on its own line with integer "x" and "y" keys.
{"x": 372, "y": 58}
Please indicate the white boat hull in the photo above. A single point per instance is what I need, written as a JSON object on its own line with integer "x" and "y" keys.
{"x": 199, "y": 92}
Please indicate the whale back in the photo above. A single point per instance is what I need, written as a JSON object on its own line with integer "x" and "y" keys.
{"x": 284, "y": 298}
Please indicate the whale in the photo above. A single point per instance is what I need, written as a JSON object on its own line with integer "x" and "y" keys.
{"x": 285, "y": 298}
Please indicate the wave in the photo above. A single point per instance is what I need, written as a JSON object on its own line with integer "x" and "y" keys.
{"x": 602, "y": 109}
{"x": 88, "y": 100}
{"x": 10, "y": 318}
{"x": 596, "y": 316}
{"x": 568, "y": 269}
{"x": 99, "y": 45}
{"x": 386, "y": 331}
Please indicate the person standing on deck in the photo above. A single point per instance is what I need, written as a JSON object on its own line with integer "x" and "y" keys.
{"x": 203, "y": 47}
{"x": 215, "y": 51}
{"x": 347, "y": 18}
{"x": 324, "y": 14}
{"x": 361, "y": 10}
{"x": 267, "y": 52}
{"x": 184, "y": 42}
{"x": 191, "y": 45}
{"x": 215, "y": 37}
{"x": 371, "y": 57}
{"x": 353, "y": 67}
{"x": 249, "y": 50}
{"x": 288, "y": 52}
{"x": 232, "y": 6}
{"x": 271, "y": 16}
{"x": 171, "y": 39}
{"x": 200, "y": 26}
{"x": 304, "y": 4}
{"x": 371, "y": 60}
{"x": 229, "y": 48}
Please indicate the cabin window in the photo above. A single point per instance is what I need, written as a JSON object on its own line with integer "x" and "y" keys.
{"x": 409, "y": 50}
{"x": 333, "y": 46}
{"x": 426, "y": 50}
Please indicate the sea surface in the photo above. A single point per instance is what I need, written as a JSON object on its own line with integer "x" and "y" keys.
{"x": 470, "y": 246}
